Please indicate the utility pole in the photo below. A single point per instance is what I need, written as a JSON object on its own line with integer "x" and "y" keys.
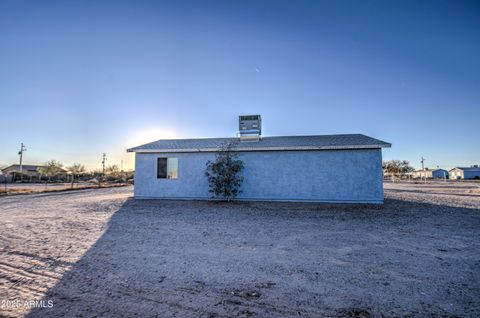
{"x": 22, "y": 149}
{"x": 121, "y": 165}
{"x": 104, "y": 158}
{"x": 423, "y": 169}
{"x": 422, "y": 161}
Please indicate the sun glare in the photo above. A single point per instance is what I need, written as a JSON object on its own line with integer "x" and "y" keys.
{"x": 149, "y": 135}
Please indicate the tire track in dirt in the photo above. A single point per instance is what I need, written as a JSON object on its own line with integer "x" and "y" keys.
{"x": 43, "y": 235}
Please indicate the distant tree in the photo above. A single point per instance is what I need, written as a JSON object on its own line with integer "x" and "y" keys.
{"x": 50, "y": 169}
{"x": 223, "y": 174}
{"x": 76, "y": 169}
{"x": 396, "y": 168}
{"x": 97, "y": 173}
{"x": 113, "y": 171}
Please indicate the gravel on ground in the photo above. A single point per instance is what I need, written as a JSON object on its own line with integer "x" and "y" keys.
{"x": 100, "y": 253}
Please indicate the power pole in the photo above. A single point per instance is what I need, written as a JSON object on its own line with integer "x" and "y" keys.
{"x": 423, "y": 169}
{"x": 22, "y": 149}
{"x": 422, "y": 161}
{"x": 104, "y": 158}
{"x": 121, "y": 165}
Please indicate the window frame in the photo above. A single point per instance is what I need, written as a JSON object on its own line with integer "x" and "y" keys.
{"x": 165, "y": 174}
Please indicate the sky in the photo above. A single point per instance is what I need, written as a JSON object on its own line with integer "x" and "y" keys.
{"x": 79, "y": 78}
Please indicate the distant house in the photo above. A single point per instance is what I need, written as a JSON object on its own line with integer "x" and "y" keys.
{"x": 319, "y": 168}
{"x": 430, "y": 174}
{"x": 29, "y": 172}
{"x": 472, "y": 172}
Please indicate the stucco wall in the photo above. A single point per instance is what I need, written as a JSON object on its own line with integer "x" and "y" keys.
{"x": 440, "y": 174}
{"x": 327, "y": 175}
{"x": 455, "y": 174}
{"x": 471, "y": 174}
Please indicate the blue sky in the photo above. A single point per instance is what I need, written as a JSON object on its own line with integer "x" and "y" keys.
{"x": 86, "y": 77}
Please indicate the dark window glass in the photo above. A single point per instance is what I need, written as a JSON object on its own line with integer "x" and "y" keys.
{"x": 167, "y": 168}
{"x": 161, "y": 168}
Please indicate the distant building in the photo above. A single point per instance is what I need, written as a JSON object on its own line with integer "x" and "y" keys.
{"x": 472, "y": 172}
{"x": 29, "y": 172}
{"x": 430, "y": 174}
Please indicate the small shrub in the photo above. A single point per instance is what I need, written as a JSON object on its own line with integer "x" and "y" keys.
{"x": 224, "y": 173}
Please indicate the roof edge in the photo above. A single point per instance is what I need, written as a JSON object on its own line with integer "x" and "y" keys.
{"x": 466, "y": 168}
{"x": 373, "y": 146}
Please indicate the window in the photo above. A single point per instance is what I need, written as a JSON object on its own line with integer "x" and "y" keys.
{"x": 167, "y": 168}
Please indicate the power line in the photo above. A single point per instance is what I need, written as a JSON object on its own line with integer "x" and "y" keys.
{"x": 84, "y": 154}
{"x": 57, "y": 152}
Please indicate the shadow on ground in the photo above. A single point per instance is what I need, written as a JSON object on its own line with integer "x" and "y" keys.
{"x": 181, "y": 258}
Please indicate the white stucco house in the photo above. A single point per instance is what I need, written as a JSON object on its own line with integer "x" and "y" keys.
{"x": 320, "y": 168}
{"x": 431, "y": 173}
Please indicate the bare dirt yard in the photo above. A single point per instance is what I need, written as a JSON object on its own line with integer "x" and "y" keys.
{"x": 100, "y": 253}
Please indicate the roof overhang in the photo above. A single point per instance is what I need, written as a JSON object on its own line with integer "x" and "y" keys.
{"x": 245, "y": 149}
{"x": 465, "y": 169}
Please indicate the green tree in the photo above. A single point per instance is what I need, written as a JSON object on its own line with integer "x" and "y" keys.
{"x": 76, "y": 169}
{"x": 396, "y": 168}
{"x": 50, "y": 169}
{"x": 223, "y": 173}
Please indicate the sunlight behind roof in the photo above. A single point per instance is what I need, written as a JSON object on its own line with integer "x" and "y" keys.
{"x": 148, "y": 135}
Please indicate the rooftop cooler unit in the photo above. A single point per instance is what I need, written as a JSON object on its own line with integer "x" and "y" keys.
{"x": 250, "y": 127}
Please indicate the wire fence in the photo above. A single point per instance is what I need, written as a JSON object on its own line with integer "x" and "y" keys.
{"x": 406, "y": 180}
{"x": 26, "y": 188}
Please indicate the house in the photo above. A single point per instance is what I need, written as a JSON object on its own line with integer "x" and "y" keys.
{"x": 29, "y": 172}
{"x": 430, "y": 174}
{"x": 472, "y": 172}
{"x": 322, "y": 168}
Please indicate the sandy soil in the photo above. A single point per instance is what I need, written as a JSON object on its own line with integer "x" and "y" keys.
{"x": 99, "y": 253}
{"x": 451, "y": 193}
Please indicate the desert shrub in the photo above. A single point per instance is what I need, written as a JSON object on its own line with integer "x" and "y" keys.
{"x": 223, "y": 173}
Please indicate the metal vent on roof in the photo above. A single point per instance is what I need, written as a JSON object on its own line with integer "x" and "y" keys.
{"x": 250, "y": 127}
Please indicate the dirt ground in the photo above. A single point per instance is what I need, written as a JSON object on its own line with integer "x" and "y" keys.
{"x": 99, "y": 253}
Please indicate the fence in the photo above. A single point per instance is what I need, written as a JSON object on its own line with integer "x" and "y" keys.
{"x": 26, "y": 188}
{"x": 389, "y": 179}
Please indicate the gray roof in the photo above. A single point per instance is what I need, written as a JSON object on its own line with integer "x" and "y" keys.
{"x": 16, "y": 167}
{"x": 467, "y": 168}
{"x": 322, "y": 142}
{"x": 429, "y": 169}
{"x": 24, "y": 167}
